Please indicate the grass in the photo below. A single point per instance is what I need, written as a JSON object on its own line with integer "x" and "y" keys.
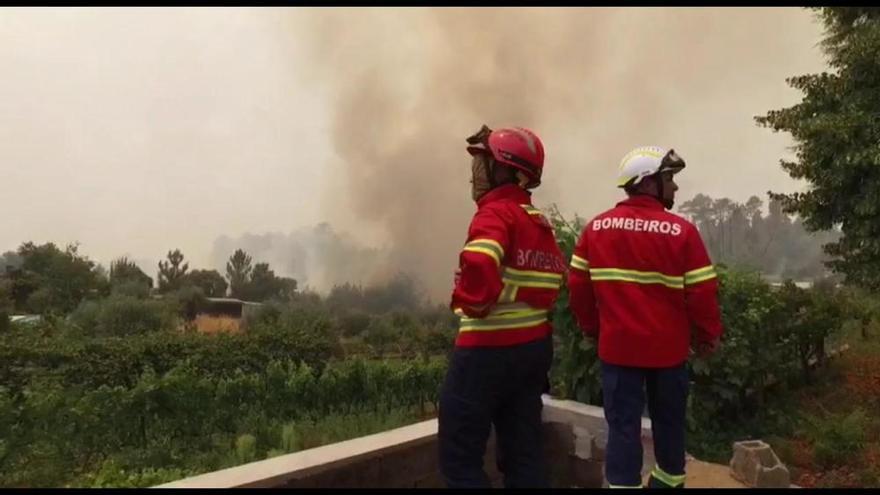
{"x": 228, "y": 451}
{"x": 828, "y": 434}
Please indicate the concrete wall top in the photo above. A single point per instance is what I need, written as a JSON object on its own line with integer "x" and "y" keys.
{"x": 276, "y": 471}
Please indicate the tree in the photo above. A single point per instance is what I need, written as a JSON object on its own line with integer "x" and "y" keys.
{"x": 402, "y": 291}
{"x": 172, "y": 272}
{"x": 238, "y": 270}
{"x": 345, "y": 298}
{"x": 9, "y": 261}
{"x": 210, "y": 281}
{"x": 124, "y": 274}
{"x": 835, "y": 128}
{"x": 737, "y": 234}
{"x": 50, "y": 280}
{"x": 699, "y": 210}
{"x": 5, "y": 302}
{"x": 263, "y": 285}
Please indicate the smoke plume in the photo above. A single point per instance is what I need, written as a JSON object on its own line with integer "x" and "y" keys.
{"x": 410, "y": 84}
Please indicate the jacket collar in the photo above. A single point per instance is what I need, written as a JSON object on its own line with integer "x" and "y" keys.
{"x": 642, "y": 201}
{"x": 507, "y": 192}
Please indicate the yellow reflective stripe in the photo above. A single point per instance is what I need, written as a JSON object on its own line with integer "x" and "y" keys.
{"x": 699, "y": 275}
{"x": 528, "y": 278}
{"x": 499, "y": 309}
{"x": 518, "y": 319}
{"x": 532, "y": 273}
{"x": 508, "y": 294}
{"x": 666, "y": 478}
{"x": 579, "y": 263}
{"x": 486, "y": 246}
{"x": 512, "y": 307}
{"x": 531, "y": 210}
{"x": 639, "y": 277}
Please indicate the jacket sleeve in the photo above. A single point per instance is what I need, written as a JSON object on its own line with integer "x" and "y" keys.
{"x": 701, "y": 289}
{"x": 581, "y": 299}
{"x": 479, "y": 284}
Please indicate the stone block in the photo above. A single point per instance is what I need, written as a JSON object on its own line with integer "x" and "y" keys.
{"x": 756, "y": 465}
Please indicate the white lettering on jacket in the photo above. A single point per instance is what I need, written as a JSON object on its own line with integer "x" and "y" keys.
{"x": 637, "y": 225}
{"x": 533, "y": 259}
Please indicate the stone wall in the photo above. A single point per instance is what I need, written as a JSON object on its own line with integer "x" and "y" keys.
{"x": 406, "y": 457}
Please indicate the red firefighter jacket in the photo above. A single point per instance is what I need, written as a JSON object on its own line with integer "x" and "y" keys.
{"x": 510, "y": 272}
{"x": 641, "y": 280}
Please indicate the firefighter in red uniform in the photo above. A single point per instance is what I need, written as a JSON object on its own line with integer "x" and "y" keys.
{"x": 640, "y": 282}
{"x": 510, "y": 271}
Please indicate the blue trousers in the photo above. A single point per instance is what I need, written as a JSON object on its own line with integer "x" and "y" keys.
{"x": 498, "y": 386}
{"x": 623, "y": 392}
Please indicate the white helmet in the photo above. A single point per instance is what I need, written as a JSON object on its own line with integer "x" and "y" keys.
{"x": 645, "y": 161}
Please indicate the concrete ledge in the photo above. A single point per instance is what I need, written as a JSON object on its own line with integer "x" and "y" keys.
{"x": 282, "y": 469}
{"x": 575, "y": 441}
{"x": 568, "y": 410}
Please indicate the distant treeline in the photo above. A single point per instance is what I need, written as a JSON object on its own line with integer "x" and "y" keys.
{"x": 741, "y": 235}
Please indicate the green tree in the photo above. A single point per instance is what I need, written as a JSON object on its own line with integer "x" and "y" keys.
{"x": 263, "y": 284}
{"x": 9, "y": 261}
{"x": 120, "y": 316}
{"x": 189, "y": 301}
{"x": 345, "y": 298}
{"x": 402, "y": 291}
{"x": 5, "y": 302}
{"x": 380, "y": 334}
{"x": 127, "y": 278}
{"x": 172, "y": 272}
{"x": 210, "y": 281}
{"x": 836, "y": 128}
{"x": 238, "y": 271}
{"x": 50, "y": 280}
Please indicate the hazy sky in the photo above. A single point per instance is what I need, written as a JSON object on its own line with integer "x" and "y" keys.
{"x": 139, "y": 130}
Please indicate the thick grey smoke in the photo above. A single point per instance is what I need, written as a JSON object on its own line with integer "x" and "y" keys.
{"x": 410, "y": 84}
{"x": 136, "y": 131}
{"x": 317, "y": 257}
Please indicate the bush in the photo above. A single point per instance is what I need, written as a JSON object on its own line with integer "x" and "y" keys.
{"x": 245, "y": 449}
{"x": 575, "y": 371}
{"x": 838, "y": 438}
{"x": 188, "y": 301}
{"x": 353, "y": 323}
{"x": 381, "y": 335}
{"x": 131, "y": 288}
{"x": 769, "y": 335}
{"x": 187, "y": 420}
{"x": 119, "y": 316}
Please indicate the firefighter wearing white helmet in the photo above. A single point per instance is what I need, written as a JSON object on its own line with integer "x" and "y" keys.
{"x": 651, "y": 162}
{"x": 640, "y": 281}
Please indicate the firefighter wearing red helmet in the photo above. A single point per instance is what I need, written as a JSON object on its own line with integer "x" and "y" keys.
{"x": 641, "y": 282}
{"x": 510, "y": 271}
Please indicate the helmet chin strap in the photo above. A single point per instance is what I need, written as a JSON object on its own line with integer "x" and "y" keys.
{"x": 490, "y": 171}
{"x": 661, "y": 193}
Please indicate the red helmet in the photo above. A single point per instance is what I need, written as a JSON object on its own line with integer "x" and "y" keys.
{"x": 515, "y": 147}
